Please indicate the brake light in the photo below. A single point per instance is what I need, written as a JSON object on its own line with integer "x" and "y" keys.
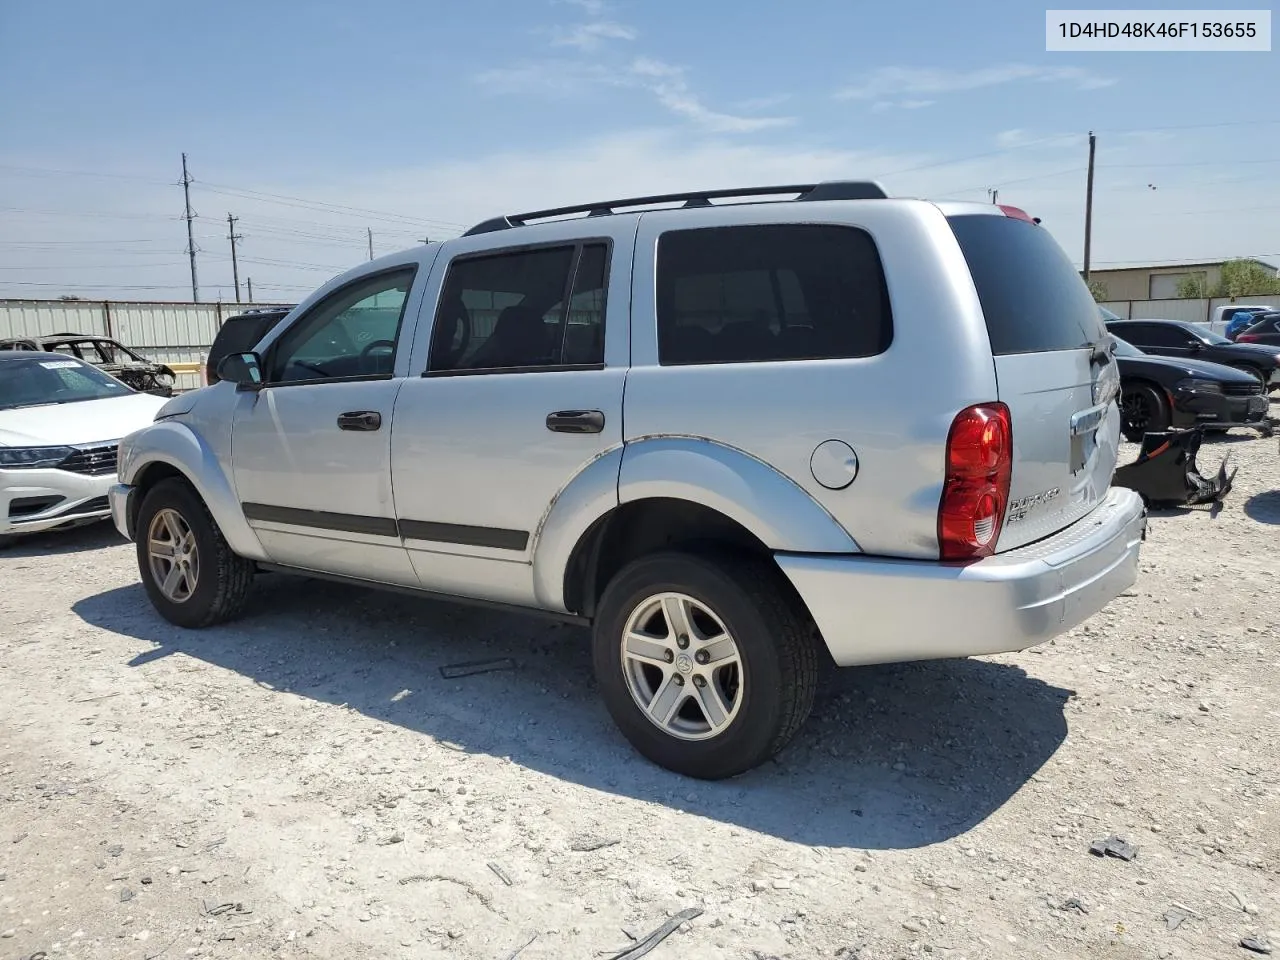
{"x": 1017, "y": 213}
{"x": 976, "y": 490}
{"x": 1247, "y": 338}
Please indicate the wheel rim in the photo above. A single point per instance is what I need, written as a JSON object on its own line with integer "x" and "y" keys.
{"x": 1136, "y": 410}
{"x": 682, "y": 666}
{"x": 172, "y": 555}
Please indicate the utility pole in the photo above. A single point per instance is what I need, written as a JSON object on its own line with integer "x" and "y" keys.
{"x": 249, "y": 280}
{"x": 993, "y": 194}
{"x": 235, "y": 267}
{"x": 1088, "y": 206}
{"x": 191, "y": 240}
{"x": 370, "y": 231}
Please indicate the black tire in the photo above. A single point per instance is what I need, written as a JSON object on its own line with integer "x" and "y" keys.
{"x": 1142, "y": 410}
{"x": 222, "y": 580}
{"x": 775, "y": 642}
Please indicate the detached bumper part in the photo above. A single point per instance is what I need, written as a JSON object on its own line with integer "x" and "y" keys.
{"x": 881, "y": 610}
{"x": 1165, "y": 472}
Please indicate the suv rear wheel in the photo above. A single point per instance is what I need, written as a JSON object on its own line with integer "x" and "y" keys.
{"x": 707, "y": 664}
{"x": 190, "y": 574}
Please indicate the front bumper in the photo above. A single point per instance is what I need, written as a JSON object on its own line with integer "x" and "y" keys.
{"x": 120, "y": 498}
{"x": 1210, "y": 409}
{"x": 33, "y": 500}
{"x": 879, "y": 610}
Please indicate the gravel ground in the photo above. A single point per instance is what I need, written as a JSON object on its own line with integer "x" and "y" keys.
{"x": 303, "y": 783}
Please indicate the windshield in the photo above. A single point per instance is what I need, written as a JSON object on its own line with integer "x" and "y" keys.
{"x": 1126, "y": 349}
{"x": 1210, "y": 337}
{"x": 34, "y": 381}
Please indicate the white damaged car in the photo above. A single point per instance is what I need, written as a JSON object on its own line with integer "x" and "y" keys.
{"x": 61, "y": 420}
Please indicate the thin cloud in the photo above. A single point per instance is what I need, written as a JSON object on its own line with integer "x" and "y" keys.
{"x": 890, "y": 82}
{"x": 667, "y": 82}
{"x": 591, "y": 36}
{"x": 556, "y": 78}
{"x": 880, "y": 106}
{"x": 594, "y": 8}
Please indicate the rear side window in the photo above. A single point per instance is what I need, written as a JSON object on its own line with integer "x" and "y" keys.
{"x": 774, "y": 292}
{"x": 1032, "y": 297}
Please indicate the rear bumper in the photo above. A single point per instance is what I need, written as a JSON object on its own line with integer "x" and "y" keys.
{"x": 877, "y": 610}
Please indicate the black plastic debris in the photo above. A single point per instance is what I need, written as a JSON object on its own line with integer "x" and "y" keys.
{"x": 655, "y": 938}
{"x": 1255, "y": 945}
{"x": 1114, "y": 846}
{"x": 1074, "y": 904}
{"x": 473, "y": 667}
{"x": 1165, "y": 473}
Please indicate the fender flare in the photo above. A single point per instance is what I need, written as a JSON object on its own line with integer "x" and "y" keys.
{"x": 178, "y": 446}
{"x": 774, "y": 508}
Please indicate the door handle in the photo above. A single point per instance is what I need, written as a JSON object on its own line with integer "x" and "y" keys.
{"x": 575, "y": 421}
{"x": 364, "y": 420}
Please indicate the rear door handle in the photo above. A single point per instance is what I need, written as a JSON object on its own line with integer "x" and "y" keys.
{"x": 576, "y": 421}
{"x": 364, "y": 420}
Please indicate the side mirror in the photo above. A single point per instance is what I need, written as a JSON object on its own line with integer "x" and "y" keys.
{"x": 1196, "y": 346}
{"x": 242, "y": 369}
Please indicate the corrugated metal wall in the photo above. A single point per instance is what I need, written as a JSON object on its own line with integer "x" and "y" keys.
{"x": 164, "y": 332}
{"x": 1194, "y": 311}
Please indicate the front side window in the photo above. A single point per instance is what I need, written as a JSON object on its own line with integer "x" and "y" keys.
{"x": 520, "y": 310}
{"x": 771, "y": 292}
{"x": 352, "y": 333}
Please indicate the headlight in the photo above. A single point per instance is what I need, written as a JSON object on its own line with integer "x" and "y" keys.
{"x": 1199, "y": 386}
{"x": 17, "y": 458}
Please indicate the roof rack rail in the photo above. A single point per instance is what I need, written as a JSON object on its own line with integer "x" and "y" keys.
{"x": 827, "y": 190}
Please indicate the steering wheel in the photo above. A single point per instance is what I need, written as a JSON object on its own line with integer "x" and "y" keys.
{"x": 370, "y": 347}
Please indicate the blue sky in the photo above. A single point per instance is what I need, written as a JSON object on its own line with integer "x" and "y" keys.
{"x": 314, "y": 123}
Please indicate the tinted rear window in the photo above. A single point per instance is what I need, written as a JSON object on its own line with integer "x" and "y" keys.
{"x": 1032, "y": 297}
{"x": 768, "y": 293}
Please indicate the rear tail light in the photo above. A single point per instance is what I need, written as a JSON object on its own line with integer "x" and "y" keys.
{"x": 1247, "y": 338}
{"x": 975, "y": 493}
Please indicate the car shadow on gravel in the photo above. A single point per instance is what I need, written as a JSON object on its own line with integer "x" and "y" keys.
{"x": 893, "y": 757}
{"x": 54, "y": 543}
{"x": 1264, "y": 507}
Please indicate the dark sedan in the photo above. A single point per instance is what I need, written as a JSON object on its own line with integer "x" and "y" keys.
{"x": 1193, "y": 341}
{"x": 1157, "y": 393}
{"x": 1265, "y": 330}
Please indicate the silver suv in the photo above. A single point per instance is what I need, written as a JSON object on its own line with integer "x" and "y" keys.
{"x": 737, "y": 437}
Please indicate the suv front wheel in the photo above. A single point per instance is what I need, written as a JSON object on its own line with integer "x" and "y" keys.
{"x": 189, "y": 572}
{"x": 707, "y": 664}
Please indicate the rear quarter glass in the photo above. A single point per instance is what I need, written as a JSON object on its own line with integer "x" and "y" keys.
{"x": 1033, "y": 300}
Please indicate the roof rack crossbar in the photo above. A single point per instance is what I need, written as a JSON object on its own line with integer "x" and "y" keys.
{"x": 827, "y": 190}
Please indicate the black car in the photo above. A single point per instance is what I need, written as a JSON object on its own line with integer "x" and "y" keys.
{"x": 240, "y": 334}
{"x": 1265, "y": 330}
{"x": 109, "y": 355}
{"x": 1193, "y": 341}
{"x": 1157, "y": 393}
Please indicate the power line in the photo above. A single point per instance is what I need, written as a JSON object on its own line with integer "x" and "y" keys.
{"x": 340, "y": 209}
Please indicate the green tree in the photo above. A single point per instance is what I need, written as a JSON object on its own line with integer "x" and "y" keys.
{"x": 1193, "y": 286}
{"x": 1099, "y": 290}
{"x": 1246, "y": 278}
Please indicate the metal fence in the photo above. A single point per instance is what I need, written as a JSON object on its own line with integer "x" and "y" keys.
{"x": 1199, "y": 310}
{"x": 172, "y": 333}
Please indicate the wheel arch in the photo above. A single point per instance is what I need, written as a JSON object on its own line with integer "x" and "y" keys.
{"x": 671, "y": 490}
{"x": 172, "y": 450}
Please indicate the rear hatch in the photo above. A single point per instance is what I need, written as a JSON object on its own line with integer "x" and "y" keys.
{"x": 1054, "y": 370}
